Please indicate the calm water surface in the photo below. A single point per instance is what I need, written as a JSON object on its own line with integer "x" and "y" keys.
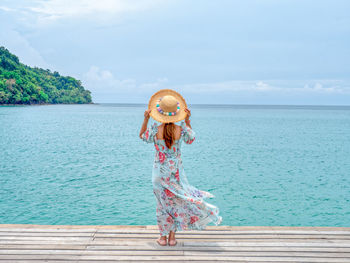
{"x": 85, "y": 164}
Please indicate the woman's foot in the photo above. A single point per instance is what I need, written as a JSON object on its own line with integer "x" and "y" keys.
{"x": 171, "y": 240}
{"x": 162, "y": 240}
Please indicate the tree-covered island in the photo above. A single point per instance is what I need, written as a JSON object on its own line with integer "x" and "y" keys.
{"x": 21, "y": 84}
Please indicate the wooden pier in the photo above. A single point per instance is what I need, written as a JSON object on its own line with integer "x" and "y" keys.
{"x": 98, "y": 243}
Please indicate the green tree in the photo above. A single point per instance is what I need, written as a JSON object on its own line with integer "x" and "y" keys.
{"x": 21, "y": 84}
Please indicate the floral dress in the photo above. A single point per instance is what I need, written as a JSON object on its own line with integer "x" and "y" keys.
{"x": 180, "y": 206}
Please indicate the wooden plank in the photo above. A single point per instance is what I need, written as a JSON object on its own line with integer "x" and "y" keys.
{"x": 260, "y": 231}
{"x": 44, "y": 246}
{"x": 268, "y": 253}
{"x": 184, "y": 248}
{"x": 280, "y": 244}
{"x": 227, "y": 236}
{"x": 220, "y": 248}
{"x": 189, "y": 242}
{"x": 50, "y": 234}
{"x": 41, "y": 261}
{"x": 90, "y": 252}
{"x": 146, "y": 261}
{"x": 58, "y": 230}
{"x": 45, "y": 243}
{"x": 200, "y": 243}
{"x": 230, "y": 232}
{"x": 150, "y": 239}
{"x": 221, "y": 242}
{"x": 115, "y": 240}
{"x": 69, "y": 258}
{"x": 177, "y": 252}
{"x": 183, "y": 259}
{"x": 192, "y": 260}
{"x": 32, "y": 242}
{"x": 180, "y": 233}
{"x": 215, "y": 259}
{"x": 45, "y": 238}
{"x": 155, "y": 230}
{"x": 172, "y": 261}
{"x": 101, "y": 258}
{"x": 186, "y": 261}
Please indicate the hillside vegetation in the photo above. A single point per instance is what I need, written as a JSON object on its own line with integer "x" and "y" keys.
{"x": 21, "y": 84}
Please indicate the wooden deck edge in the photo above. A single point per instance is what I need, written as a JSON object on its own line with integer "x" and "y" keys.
{"x": 156, "y": 227}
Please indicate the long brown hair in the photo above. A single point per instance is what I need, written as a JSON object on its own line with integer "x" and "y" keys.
{"x": 169, "y": 134}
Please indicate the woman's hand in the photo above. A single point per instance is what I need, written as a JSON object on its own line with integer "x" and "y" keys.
{"x": 188, "y": 115}
{"x": 147, "y": 113}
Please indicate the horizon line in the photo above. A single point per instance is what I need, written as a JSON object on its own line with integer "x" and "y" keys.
{"x": 231, "y": 104}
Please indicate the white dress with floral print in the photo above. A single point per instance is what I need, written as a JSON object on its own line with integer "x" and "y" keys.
{"x": 180, "y": 206}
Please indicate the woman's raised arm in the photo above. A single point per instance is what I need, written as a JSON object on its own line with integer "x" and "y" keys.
{"x": 145, "y": 122}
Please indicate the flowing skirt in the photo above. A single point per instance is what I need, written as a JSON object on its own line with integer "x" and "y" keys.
{"x": 180, "y": 206}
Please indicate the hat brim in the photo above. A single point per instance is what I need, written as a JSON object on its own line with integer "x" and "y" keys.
{"x": 155, "y": 114}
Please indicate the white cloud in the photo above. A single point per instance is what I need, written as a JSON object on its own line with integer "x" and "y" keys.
{"x": 52, "y": 10}
{"x": 271, "y": 86}
{"x": 43, "y": 13}
{"x": 262, "y": 86}
{"x": 102, "y": 82}
{"x": 327, "y": 87}
{"x": 6, "y": 9}
{"x": 105, "y": 87}
{"x": 157, "y": 84}
{"x": 22, "y": 48}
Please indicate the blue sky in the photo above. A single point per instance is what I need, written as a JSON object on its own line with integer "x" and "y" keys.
{"x": 229, "y": 52}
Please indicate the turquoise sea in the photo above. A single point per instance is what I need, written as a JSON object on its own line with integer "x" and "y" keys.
{"x": 85, "y": 164}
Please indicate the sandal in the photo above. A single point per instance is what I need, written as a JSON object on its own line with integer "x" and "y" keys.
{"x": 161, "y": 244}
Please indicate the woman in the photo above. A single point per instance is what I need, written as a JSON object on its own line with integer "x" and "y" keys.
{"x": 180, "y": 206}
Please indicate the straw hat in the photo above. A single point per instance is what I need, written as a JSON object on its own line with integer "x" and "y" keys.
{"x": 167, "y": 105}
